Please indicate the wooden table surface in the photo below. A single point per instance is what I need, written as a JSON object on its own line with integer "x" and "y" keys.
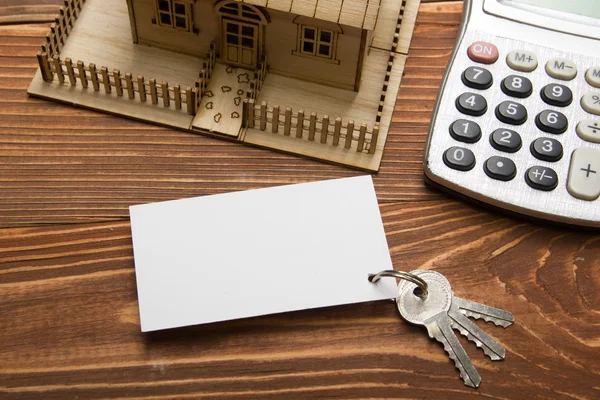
{"x": 69, "y": 326}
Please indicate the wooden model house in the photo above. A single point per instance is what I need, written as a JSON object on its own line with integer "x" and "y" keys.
{"x": 318, "y": 41}
{"x": 317, "y": 78}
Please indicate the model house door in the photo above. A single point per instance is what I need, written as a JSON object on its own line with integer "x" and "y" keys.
{"x": 240, "y": 43}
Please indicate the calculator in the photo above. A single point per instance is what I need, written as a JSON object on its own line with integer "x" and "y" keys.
{"x": 517, "y": 120}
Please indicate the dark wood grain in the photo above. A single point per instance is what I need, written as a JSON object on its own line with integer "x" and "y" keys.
{"x": 28, "y": 11}
{"x": 69, "y": 325}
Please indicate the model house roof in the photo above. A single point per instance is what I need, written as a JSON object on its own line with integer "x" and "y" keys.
{"x": 357, "y": 13}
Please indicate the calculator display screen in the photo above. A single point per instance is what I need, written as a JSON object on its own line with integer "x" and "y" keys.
{"x": 587, "y": 8}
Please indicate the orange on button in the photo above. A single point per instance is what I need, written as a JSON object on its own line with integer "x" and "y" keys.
{"x": 483, "y": 52}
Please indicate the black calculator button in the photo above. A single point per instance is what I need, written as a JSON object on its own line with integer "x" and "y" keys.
{"x": 465, "y": 131}
{"x": 552, "y": 122}
{"x": 471, "y": 104}
{"x": 517, "y": 86}
{"x": 459, "y": 158}
{"x": 557, "y": 95}
{"x": 506, "y": 140}
{"x": 477, "y": 78}
{"x": 547, "y": 149}
{"x": 541, "y": 178}
{"x": 511, "y": 113}
{"x": 500, "y": 168}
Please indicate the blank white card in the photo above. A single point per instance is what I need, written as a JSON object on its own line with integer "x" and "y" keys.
{"x": 259, "y": 252}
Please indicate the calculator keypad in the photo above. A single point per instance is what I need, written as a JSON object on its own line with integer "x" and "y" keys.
{"x": 591, "y": 103}
{"x": 477, "y": 78}
{"x": 500, "y": 168}
{"x": 551, "y": 121}
{"x": 535, "y": 106}
{"x": 471, "y": 104}
{"x": 541, "y": 178}
{"x": 589, "y": 130}
{"x": 584, "y": 174}
{"x": 521, "y": 60}
{"x": 459, "y": 158}
{"x": 483, "y": 52}
{"x": 517, "y": 86}
{"x": 547, "y": 149}
{"x": 465, "y": 131}
{"x": 506, "y": 140}
{"x": 561, "y": 68}
{"x": 557, "y": 95}
{"x": 511, "y": 113}
{"x": 592, "y": 76}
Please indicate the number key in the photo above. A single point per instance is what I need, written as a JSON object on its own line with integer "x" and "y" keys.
{"x": 552, "y": 122}
{"x": 471, "y": 104}
{"x": 547, "y": 149}
{"x": 557, "y": 95}
{"x": 517, "y": 86}
{"x": 506, "y": 140}
{"x": 477, "y": 78}
{"x": 465, "y": 131}
{"x": 459, "y": 158}
{"x": 511, "y": 113}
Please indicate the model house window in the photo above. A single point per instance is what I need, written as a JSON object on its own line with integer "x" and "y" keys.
{"x": 317, "y": 39}
{"x": 241, "y": 11}
{"x": 317, "y": 42}
{"x": 175, "y": 14}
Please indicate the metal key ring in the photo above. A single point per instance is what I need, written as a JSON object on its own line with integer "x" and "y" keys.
{"x": 392, "y": 273}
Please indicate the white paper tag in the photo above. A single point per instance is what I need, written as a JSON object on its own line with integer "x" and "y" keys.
{"x": 258, "y": 252}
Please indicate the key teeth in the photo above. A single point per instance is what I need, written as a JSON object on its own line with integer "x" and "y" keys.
{"x": 493, "y": 356}
{"x": 495, "y": 321}
{"x": 463, "y": 375}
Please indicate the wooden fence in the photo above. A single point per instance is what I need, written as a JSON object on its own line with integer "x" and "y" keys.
{"x": 123, "y": 84}
{"x": 208, "y": 66}
{"x": 312, "y": 127}
{"x": 260, "y": 74}
{"x": 61, "y": 27}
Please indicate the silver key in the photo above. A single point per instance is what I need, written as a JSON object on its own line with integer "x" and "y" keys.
{"x": 432, "y": 312}
{"x": 441, "y": 312}
{"x": 468, "y": 329}
{"x": 481, "y": 311}
{"x": 461, "y": 309}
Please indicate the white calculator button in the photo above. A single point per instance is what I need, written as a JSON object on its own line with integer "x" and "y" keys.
{"x": 561, "y": 68}
{"x": 589, "y": 130}
{"x": 584, "y": 174}
{"x": 590, "y": 102}
{"x": 592, "y": 76}
{"x": 521, "y": 60}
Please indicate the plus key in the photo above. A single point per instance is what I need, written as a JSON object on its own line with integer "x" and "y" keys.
{"x": 584, "y": 174}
